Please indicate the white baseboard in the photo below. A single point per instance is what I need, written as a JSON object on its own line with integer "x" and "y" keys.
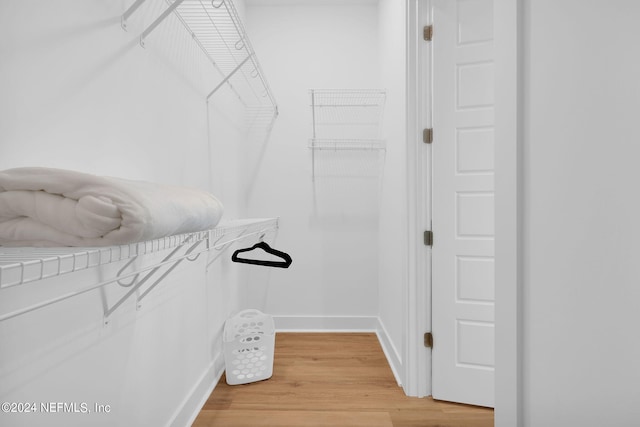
{"x": 345, "y": 324}
{"x": 195, "y": 400}
{"x": 325, "y": 323}
{"x": 390, "y": 351}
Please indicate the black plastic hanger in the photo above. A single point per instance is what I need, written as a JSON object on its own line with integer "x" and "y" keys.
{"x": 262, "y": 245}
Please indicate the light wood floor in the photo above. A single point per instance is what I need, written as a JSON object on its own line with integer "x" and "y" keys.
{"x": 337, "y": 380}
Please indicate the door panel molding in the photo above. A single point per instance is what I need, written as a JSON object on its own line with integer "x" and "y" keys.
{"x": 463, "y": 203}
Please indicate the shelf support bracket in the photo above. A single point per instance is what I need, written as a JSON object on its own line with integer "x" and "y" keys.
{"x": 129, "y": 12}
{"x": 169, "y": 270}
{"x": 160, "y": 18}
{"x": 134, "y": 287}
{"x": 229, "y": 76}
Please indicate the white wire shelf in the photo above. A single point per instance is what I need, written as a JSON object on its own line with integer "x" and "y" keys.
{"x": 19, "y": 266}
{"x": 346, "y": 113}
{"x": 348, "y": 97}
{"x": 27, "y": 264}
{"x": 216, "y": 28}
{"x": 345, "y": 120}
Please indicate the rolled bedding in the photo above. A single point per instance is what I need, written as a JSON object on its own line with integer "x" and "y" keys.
{"x": 55, "y": 207}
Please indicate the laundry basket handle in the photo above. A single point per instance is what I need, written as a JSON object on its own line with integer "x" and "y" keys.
{"x": 249, "y": 313}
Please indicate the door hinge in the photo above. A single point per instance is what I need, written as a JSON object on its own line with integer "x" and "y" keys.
{"x": 427, "y": 136}
{"x": 428, "y": 32}
{"x": 428, "y": 339}
{"x": 428, "y": 238}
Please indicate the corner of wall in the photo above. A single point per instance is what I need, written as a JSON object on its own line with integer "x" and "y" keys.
{"x": 190, "y": 407}
{"x": 390, "y": 351}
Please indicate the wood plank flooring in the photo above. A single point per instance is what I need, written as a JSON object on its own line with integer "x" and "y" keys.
{"x": 331, "y": 379}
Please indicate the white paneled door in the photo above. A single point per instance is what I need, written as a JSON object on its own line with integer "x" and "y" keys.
{"x": 463, "y": 202}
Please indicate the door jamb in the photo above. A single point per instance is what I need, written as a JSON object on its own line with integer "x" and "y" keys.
{"x": 508, "y": 36}
{"x": 417, "y": 358}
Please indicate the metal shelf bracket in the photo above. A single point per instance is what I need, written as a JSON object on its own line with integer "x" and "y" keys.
{"x": 228, "y": 76}
{"x": 136, "y": 284}
{"x": 158, "y": 20}
{"x": 129, "y": 12}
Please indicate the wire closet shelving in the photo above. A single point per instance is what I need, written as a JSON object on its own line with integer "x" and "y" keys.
{"x": 23, "y": 265}
{"x": 346, "y": 120}
{"x": 216, "y": 28}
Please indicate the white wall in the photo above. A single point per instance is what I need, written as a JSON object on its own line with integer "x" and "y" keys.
{"x": 508, "y": 374}
{"x": 392, "y": 239}
{"x": 581, "y": 292}
{"x": 329, "y": 225}
{"x": 80, "y": 93}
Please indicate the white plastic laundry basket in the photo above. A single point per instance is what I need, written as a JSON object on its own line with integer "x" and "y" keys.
{"x": 249, "y": 342}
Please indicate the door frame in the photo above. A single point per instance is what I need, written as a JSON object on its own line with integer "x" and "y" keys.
{"x": 508, "y": 27}
{"x": 508, "y": 33}
{"x": 417, "y": 358}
